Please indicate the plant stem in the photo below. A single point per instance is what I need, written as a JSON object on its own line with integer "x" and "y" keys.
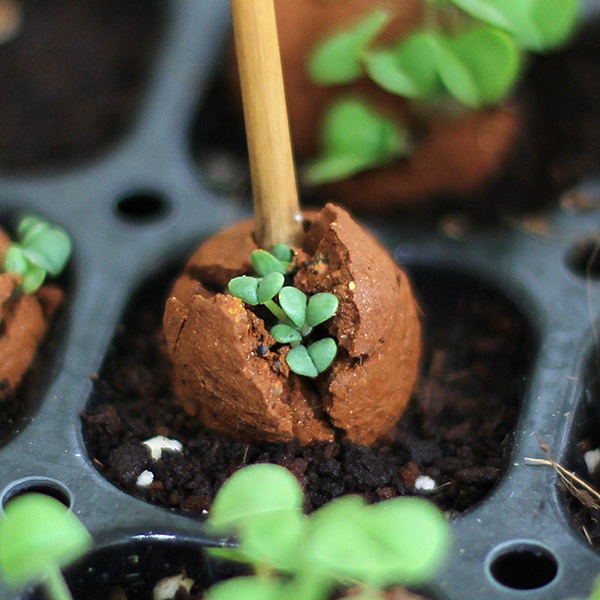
{"x": 55, "y": 584}
{"x": 276, "y": 310}
{"x": 277, "y": 214}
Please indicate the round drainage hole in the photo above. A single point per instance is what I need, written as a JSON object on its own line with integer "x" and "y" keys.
{"x": 48, "y": 487}
{"x": 524, "y": 567}
{"x": 584, "y": 258}
{"x": 142, "y": 207}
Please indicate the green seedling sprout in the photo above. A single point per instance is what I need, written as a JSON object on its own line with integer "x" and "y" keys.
{"x": 296, "y": 313}
{"x": 474, "y": 58}
{"x": 355, "y": 138}
{"x": 41, "y": 250}
{"x": 38, "y": 537}
{"x": 346, "y": 542}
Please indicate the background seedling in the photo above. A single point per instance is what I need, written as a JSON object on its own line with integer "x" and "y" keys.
{"x": 41, "y": 250}
{"x": 296, "y": 314}
{"x": 354, "y": 137}
{"x": 471, "y": 51}
{"x": 39, "y": 536}
{"x": 346, "y": 542}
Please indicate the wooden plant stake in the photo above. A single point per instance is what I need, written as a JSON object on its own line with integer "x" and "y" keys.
{"x": 277, "y": 214}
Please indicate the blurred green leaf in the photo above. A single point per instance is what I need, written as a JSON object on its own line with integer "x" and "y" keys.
{"x": 355, "y": 138}
{"x": 485, "y": 10}
{"x": 537, "y": 25}
{"x": 337, "y": 59}
{"x": 409, "y": 70}
{"x": 555, "y": 25}
{"x": 413, "y": 536}
{"x": 37, "y": 533}
{"x": 33, "y": 279}
{"x": 335, "y": 542}
{"x": 247, "y": 588}
{"x": 480, "y": 66}
{"x": 47, "y": 247}
{"x": 273, "y": 538}
{"x": 397, "y": 541}
{"x": 595, "y": 589}
{"x": 254, "y": 490}
{"x": 336, "y": 167}
{"x": 15, "y": 261}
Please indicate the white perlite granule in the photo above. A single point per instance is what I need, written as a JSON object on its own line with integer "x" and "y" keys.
{"x": 424, "y": 483}
{"x": 159, "y": 443}
{"x": 145, "y": 478}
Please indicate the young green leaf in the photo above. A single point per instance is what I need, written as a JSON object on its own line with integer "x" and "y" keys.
{"x": 399, "y": 540}
{"x": 355, "y": 138}
{"x": 336, "y": 167}
{"x": 48, "y": 247}
{"x": 284, "y": 334}
{"x": 32, "y": 276}
{"x": 488, "y": 11}
{"x": 33, "y": 279}
{"x": 595, "y": 590}
{"x": 414, "y": 534}
{"x": 320, "y": 307}
{"x": 243, "y": 495}
{"x": 456, "y": 77}
{"x": 273, "y": 538}
{"x": 42, "y": 249}
{"x": 336, "y": 541}
{"x": 300, "y": 362}
{"x": 37, "y": 534}
{"x": 480, "y": 66}
{"x": 15, "y": 261}
{"x": 352, "y": 125}
{"x": 247, "y": 588}
{"x": 28, "y": 223}
{"x": 245, "y": 288}
{"x": 283, "y": 253}
{"x": 293, "y": 302}
{"x": 554, "y": 25}
{"x": 537, "y": 25}
{"x": 322, "y": 353}
{"x": 264, "y": 263}
{"x": 269, "y": 286}
{"x": 336, "y": 512}
{"x": 409, "y": 70}
{"x": 337, "y": 59}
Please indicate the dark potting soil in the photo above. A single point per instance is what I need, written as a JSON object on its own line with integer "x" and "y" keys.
{"x": 72, "y": 78}
{"x": 456, "y": 430}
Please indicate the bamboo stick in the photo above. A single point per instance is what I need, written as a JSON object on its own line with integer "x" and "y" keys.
{"x": 277, "y": 213}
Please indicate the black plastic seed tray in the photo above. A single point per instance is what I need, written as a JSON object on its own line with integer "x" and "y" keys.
{"x": 142, "y": 205}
